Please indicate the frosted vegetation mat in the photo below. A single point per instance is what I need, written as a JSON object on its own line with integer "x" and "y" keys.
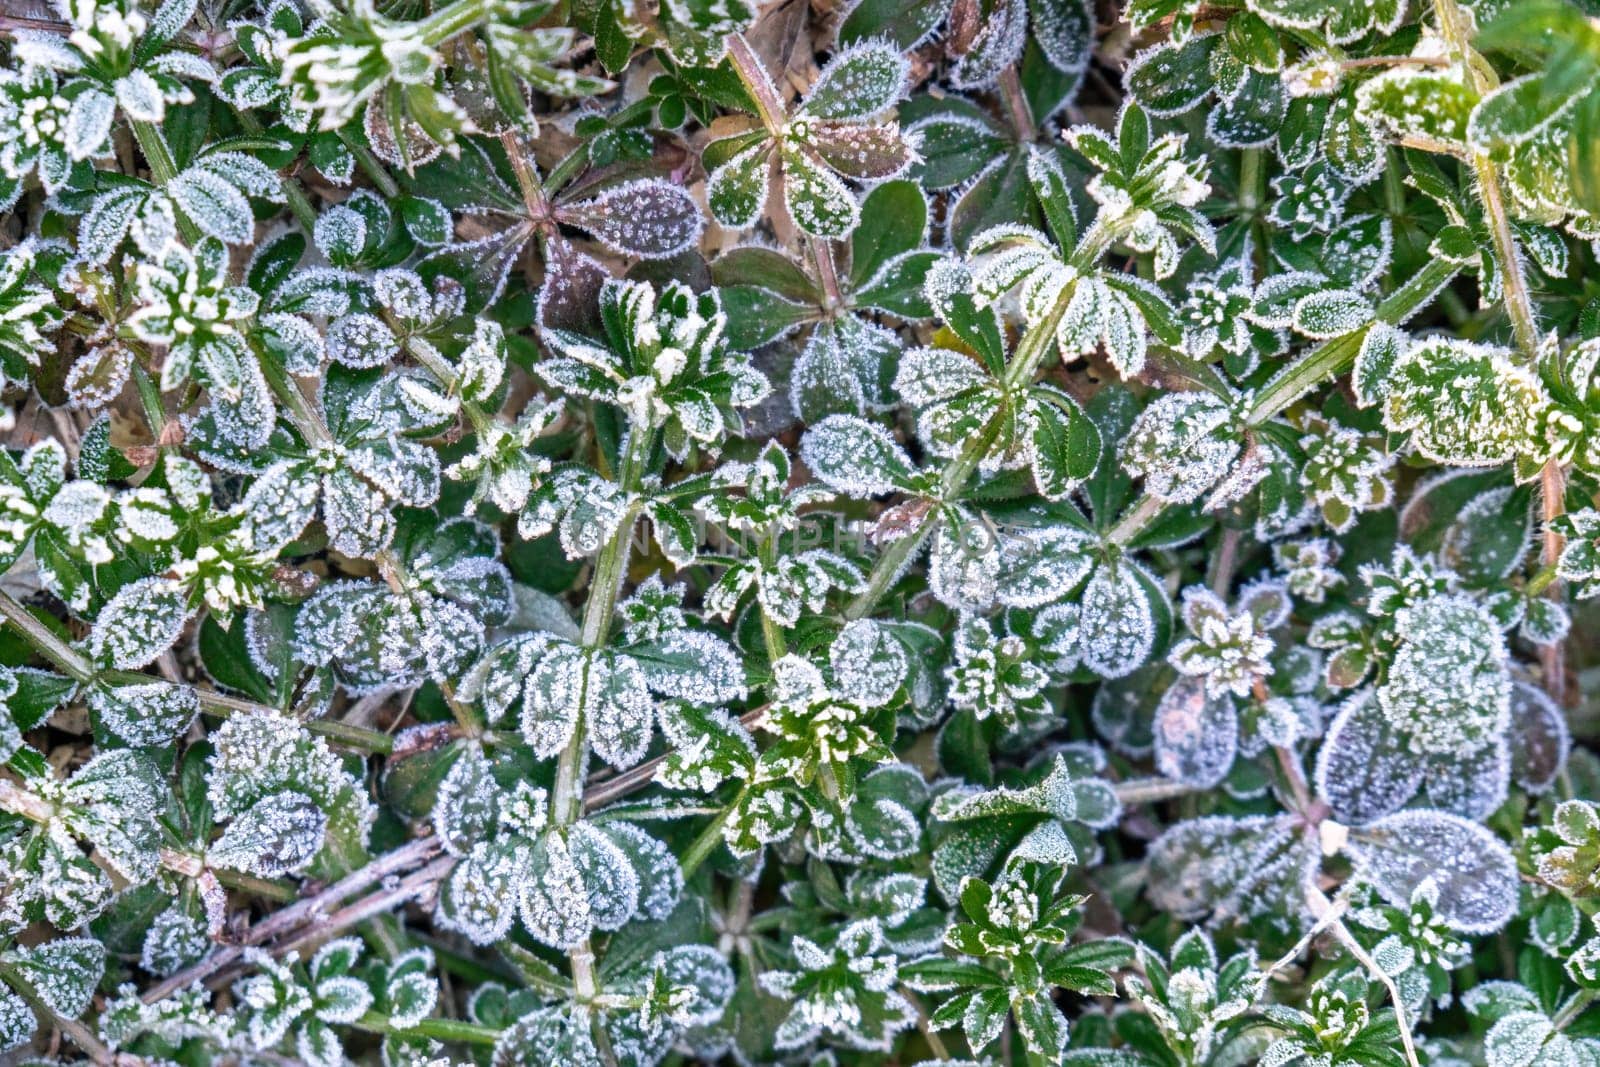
{"x": 999, "y": 533}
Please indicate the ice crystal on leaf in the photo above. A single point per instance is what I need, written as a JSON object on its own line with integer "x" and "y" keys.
{"x": 268, "y": 758}
{"x": 1447, "y": 687}
{"x": 846, "y": 989}
{"x": 1182, "y": 445}
{"x": 1056, "y": 536}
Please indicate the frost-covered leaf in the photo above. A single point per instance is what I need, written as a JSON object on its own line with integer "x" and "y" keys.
{"x": 142, "y": 621}
{"x": 1473, "y": 871}
{"x": 279, "y": 834}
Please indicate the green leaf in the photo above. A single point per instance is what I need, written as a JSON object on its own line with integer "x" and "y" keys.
{"x": 894, "y": 220}
{"x": 817, "y": 200}
{"x": 1518, "y": 111}
{"x": 905, "y": 22}
{"x": 737, "y": 189}
{"x": 1171, "y": 79}
{"x": 1066, "y": 444}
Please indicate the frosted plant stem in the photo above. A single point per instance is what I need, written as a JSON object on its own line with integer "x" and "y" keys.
{"x": 1331, "y": 916}
{"x": 306, "y": 911}
{"x": 1017, "y": 105}
{"x": 294, "y": 196}
{"x": 1456, "y": 30}
{"x": 1323, "y": 363}
{"x": 566, "y": 805}
{"x": 1036, "y": 344}
{"x": 77, "y": 666}
{"x": 439, "y": 1029}
{"x": 370, "y": 166}
{"x": 1150, "y": 790}
{"x": 771, "y": 632}
{"x": 757, "y": 82}
{"x": 1322, "y": 907}
{"x": 598, "y": 795}
{"x": 827, "y": 273}
{"x": 344, "y": 733}
{"x": 708, "y": 840}
{"x": 163, "y": 167}
{"x": 45, "y": 641}
{"x": 1573, "y": 1008}
{"x": 1333, "y": 357}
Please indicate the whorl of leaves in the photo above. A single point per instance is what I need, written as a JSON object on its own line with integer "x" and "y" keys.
{"x": 1021, "y": 533}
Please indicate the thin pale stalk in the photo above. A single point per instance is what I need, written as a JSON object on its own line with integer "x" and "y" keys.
{"x": 439, "y": 1029}
{"x": 1017, "y": 108}
{"x": 163, "y": 167}
{"x": 1335, "y": 356}
{"x": 1037, "y": 343}
{"x": 566, "y": 806}
{"x": 371, "y": 166}
{"x": 1321, "y": 906}
{"x": 45, "y": 641}
{"x": 1456, "y": 30}
{"x": 307, "y": 910}
{"x": 769, "y": 106}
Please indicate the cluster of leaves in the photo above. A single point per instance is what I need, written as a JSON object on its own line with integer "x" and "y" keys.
{"x": 993, "y": 532}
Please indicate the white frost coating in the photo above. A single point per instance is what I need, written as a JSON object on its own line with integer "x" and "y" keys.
{"x": 859, "y": 82}
{"x": 869, "y": 664}
{"x": 1182, "y": 445}
{"x": 1116, "y": 622}
{"x": 1475, "y": 874}
{"x": 1364, "y": 769}
{"x": 855, "y": 457}
{"x": 277, "y": 835}
{"x": 1448, "y": 688}
{"x": 259, "y": 755}
{"x": 1196, "y": 734}
{"x": 142, "y": 621}
{"x": 151, "y": 713}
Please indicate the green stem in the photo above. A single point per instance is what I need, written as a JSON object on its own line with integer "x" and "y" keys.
{"x": 708, "y": 840}
{"x": 1036, "y": 344}
{"x": 1328, "y": 360}
{"x": 76, "y": 665}
{"x": 1135, "y": 520}
{"x": 613, "y": 560}
{"x": 45, "y": 641}
{"x": 446, "y": 375}
{"x": 566, "y": 805}
{"x": 1334, "y": 357}
{"x": 163, "y": 168}
{"x": 153, "y": 143}
{"x": 771, "y": 632}
{"x": 301, "y": 413}
{"x": 439, "y": 1029}
{"x": 563, "y": 172}
{"x": 1542, "y": 579}
{"x": 370, "y": 166}
{"x": 1574, "y": 1008}
{"x": 1455, "y": 29}
{"x": 1250, "y": 173}
{"x": 347, "y": 734}
{"x": 261, "y": 887}
{"x": 299, "y": 203}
